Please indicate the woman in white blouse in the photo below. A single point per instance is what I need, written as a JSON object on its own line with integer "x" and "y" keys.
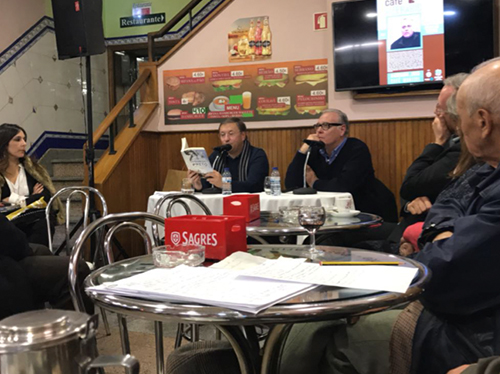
{"x": 23, "y": 181}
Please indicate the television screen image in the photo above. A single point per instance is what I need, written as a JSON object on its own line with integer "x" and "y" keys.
{"x": 396, "y": 46}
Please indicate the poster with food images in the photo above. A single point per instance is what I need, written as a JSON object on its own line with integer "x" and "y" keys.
{"x": 250, "y": 39}
{"x": 261, "y": 92}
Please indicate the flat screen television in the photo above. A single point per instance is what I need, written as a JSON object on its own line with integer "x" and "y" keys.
{"x": 403, "y": 45}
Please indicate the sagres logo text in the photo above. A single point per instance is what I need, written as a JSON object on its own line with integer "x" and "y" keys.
{"x": 193, "y": 238}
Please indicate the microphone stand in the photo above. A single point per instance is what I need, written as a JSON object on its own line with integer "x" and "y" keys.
{"x": 214, "y": 190}
{"x": 305, "y": 190}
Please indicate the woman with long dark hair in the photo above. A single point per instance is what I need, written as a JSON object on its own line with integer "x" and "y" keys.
{"x": 23, "y": 181}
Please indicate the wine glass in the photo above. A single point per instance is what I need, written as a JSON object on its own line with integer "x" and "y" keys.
{"x": 312, "y": 218}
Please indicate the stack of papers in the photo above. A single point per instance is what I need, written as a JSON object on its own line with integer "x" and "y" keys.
{"x": 219, "y": 287}
{"x": 251, "y": 284}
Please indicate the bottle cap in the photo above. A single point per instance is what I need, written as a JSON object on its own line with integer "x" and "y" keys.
{"x": 275, "y": 168}
{"x": 226, "y": 169}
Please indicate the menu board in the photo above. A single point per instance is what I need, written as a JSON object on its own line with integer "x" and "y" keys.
{"x": 263, "y": 92}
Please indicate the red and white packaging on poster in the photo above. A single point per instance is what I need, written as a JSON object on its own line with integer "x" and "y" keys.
{"x": 221, "y": 235}
{"x": 243, "y": 205}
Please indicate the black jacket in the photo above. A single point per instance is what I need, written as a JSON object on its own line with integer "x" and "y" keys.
{"x": 14, "y": 284}
{"x": 352, "y": 171}
{"x": 429, "y": 173}
{"x": 411, "y": 42}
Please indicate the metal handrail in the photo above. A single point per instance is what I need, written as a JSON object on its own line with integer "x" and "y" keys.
{"x": 170, "y": 24}
{"x": 113, "y": 114}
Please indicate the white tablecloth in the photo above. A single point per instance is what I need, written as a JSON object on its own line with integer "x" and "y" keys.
{"x": 267, "y": 202}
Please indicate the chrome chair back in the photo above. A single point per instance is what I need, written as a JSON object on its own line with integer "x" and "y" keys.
{"x": 172, "y": 200}
{"x": 141, "y": 230}
{"x": 73, "y": 191}
{"x": 118, "y": 221}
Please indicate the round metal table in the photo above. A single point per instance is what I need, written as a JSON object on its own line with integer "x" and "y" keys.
{"x": 322, "y": 303}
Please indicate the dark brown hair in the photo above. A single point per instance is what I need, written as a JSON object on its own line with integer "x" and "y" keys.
{"x": 7, "y": 132}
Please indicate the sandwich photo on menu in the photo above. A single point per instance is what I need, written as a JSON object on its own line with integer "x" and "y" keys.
{"x": 310, "y": 109}
{"x": 196, "y": 158}
{"x": 226, "y": 84}
{"x": 282, "y": 110}
{"x": 312, "y": 79}
{"x": 278, "y": 80}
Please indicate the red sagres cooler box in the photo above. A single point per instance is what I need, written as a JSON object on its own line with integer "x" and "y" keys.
{"x": 221, "y": 235}
{"x": 242, "y": 205}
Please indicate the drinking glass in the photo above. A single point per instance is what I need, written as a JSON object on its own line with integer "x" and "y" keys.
{"x": 312, "y": 218}
{"x": 187, "y": 186}
{"x": 267, "y": 185}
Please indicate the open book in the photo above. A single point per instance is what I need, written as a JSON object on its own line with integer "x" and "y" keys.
{"x": 196, "y": 158}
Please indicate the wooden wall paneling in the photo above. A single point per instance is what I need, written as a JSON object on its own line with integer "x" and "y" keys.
{"x": 393, "y": 145}
{"x": 132, "y": 181}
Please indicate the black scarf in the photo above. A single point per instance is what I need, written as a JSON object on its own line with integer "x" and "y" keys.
{"x": 220, "y": 163}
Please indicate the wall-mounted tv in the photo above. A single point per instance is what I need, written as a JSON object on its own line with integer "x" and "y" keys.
{"x": 401, "y": 45}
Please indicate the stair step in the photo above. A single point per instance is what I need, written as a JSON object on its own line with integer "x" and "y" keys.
{"x": 61, "y": 182}
{"x": 68, "y": 168}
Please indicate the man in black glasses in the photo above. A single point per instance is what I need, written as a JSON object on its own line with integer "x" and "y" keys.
{"x": 343, "y": 165}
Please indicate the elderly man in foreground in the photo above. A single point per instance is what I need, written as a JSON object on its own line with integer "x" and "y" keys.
{"x": 457, "y": 320}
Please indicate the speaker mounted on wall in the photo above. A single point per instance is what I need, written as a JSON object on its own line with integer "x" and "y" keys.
{"x": 78, "y": 26}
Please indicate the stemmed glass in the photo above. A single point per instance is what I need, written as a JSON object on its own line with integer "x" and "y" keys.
{"x": 312, "y": 218}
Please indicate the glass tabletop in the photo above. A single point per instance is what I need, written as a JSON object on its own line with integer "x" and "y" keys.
{"x": 272, "y": 223}
{"x": 318, "y": 304}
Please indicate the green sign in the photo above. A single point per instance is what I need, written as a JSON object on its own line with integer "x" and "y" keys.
{"x": 144, "y": 20}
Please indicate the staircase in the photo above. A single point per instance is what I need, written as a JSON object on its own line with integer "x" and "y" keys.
{"x": 66, "y": 169}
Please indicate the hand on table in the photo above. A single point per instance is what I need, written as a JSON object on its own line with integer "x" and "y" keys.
{"x": 215, "y": 178}
{"x": 419, "y": 205}
{"x": 304, "y": 147}
{"x": 441, "y": 132}
{"x": 310, "y": 176}
{"x": 195, "y": 179}
{"x": 38, "y": 188}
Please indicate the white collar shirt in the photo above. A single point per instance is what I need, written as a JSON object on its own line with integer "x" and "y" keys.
{"x": 19, "y": 190}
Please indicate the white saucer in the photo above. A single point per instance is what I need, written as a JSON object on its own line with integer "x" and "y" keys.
{"x": 345, "y": 213}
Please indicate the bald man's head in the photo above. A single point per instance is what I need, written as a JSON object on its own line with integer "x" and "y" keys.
{"x": 478, "y": 105}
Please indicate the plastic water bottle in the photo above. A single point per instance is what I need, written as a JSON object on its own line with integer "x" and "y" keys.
{"x": 275, "y": 182}
{"x": 226, "y": 182}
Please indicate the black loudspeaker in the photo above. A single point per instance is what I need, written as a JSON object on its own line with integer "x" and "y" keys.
{"x": 78, "y": 25}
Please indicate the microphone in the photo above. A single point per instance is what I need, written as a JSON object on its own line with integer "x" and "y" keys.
{"x": 223, "y": 148}
{"x": 314, "y": 143}
{"x": 308, "y": 190}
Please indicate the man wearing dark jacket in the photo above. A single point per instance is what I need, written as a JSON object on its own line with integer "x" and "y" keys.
{"x": 428, "y": 175}
{"x": 248, "y": 164}
{"x": 458, "y": 321}
{"x": 344, "y": 165}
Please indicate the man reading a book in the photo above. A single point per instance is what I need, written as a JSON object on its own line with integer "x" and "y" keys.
{"x": 248, "y": 165}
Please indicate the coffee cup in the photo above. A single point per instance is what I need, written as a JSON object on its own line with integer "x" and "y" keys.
{"x": 343, "y": 203}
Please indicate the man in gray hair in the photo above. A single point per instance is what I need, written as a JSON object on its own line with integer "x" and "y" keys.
{"x": 430, "y": 172}
{"x": 344, "y": 164}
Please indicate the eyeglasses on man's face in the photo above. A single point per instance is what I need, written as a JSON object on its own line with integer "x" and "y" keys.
{"x": 326, "y": 125}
